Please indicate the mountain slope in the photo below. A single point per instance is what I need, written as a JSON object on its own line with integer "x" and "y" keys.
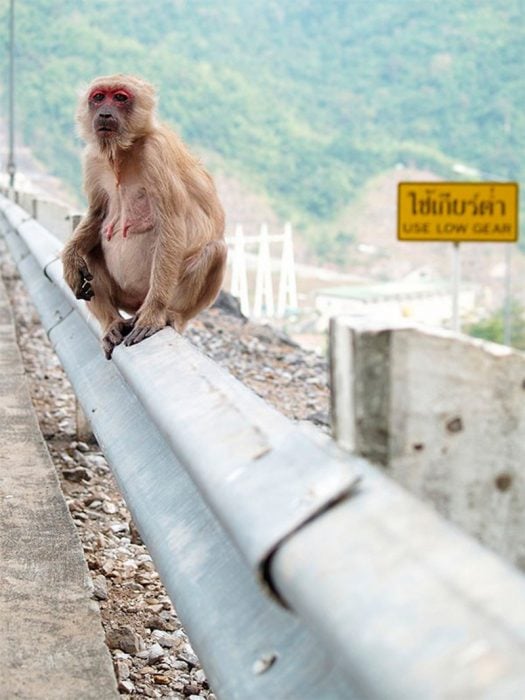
{"x": 303, "y": 100}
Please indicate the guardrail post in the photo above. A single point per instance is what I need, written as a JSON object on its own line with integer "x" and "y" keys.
{"x": 75, "y": 220}
{"x": 443, "y": 415}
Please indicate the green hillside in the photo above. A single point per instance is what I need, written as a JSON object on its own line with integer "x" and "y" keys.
{"x": 303, "y": 99}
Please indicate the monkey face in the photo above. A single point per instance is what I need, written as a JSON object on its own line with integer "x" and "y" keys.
{"x": 109, "y": 109}
{"x": 115, "y": 110}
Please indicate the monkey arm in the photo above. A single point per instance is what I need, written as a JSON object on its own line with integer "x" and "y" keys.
{"x": 84, "y": 239}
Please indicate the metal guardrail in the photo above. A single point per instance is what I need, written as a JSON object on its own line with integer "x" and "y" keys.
{"x": 242, "y": 509}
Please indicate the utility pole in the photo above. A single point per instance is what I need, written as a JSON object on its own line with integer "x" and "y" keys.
{"x": 11, "y": 167}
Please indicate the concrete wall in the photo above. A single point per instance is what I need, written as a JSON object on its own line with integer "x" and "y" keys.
{"x": 444, "y": 414}
{"x": 429, "y": 309}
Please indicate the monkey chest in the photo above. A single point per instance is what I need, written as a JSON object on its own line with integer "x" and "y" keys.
{"x": 130, "y": 211}
{"x": 128, "y": 238}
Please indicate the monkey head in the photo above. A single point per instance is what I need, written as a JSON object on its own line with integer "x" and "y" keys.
{"x": 115, "y": 111}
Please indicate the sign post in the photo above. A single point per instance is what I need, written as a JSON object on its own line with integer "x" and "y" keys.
{"x": 456, "y": 283}
{"x": 458, "y": 212}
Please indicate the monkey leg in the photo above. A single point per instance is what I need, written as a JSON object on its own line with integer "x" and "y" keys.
{"x": 199, "y": 284}
{"x": 102, "y": 305}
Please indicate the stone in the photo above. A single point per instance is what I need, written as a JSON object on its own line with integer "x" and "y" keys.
{"x": 77, "y": 474}
{"x": 164, "y": 639}
{"x": 124, "y": 638}
{"x": 127, "y": 687}
{"x": 109, "y": 507}
{"x": 163, "y": 621}
{"x": 121, "y": 670}
{"x": 100, "y": 587}
{"x": 200, "y": 676}
{"x": 161, "y": 679}
{"x": 108, "y": 566}
{"x": 155, "y": 652}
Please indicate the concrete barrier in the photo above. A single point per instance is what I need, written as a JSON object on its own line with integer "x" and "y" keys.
{"x": 51, "y": 640}
{"x": 444, "y": 414}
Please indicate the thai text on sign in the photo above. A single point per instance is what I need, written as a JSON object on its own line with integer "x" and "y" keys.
{"x": 457, "y": 211}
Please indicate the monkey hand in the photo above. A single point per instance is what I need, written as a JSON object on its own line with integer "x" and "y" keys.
{"x": 115, "y": 334}
{"x": 79, "y": 278}
{"x": 145, "y": 325}
{"x": 84, "y": 289}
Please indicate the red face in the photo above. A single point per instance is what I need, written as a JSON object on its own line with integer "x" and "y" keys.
{"x": 116, "y": 97}
{"x": 109, "y": 106}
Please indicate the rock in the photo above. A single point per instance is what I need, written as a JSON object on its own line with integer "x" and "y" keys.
{"x": 108, "y": 566}
{"x": 161, "y": 679}
{"x": 129, "y": 568}
{"x": 124, "y": 638}
{"x": 100, "y": 587}
{"x": 189, "y": 657}
{"x": 127, "y": 687}
{"x": 80, "y": 446}
{"x": 155, "y": 652}
{"x": 152, "y": 693}
{"x": 163, "y": 621}
{"x": 229, "y": 304}
{"x": 166, "y": 640}
{"x": 180, "y": 665}
{"x": 155, "y": 607}
{"x": 319, "y": 418}
{"x": 200, "y": 676}
{"x": 109, "y": 507}
{"x": 77, "y": 474}
{"x": 121, "y": 670}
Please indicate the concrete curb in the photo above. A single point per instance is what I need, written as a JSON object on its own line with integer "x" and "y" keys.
{"x": 52, "y": 642}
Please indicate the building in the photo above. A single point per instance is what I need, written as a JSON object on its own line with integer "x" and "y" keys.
{"x": 422, "y": 301}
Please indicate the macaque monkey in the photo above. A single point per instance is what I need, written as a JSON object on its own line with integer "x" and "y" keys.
{"x": 152, "y": 241}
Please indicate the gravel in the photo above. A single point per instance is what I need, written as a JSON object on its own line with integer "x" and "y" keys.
{"x": 152, "y": 655}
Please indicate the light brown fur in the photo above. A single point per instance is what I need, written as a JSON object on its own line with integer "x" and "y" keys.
{"x": 152, "y": 241}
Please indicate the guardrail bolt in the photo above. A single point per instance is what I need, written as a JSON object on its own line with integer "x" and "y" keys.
{"x": 263, "y": 663}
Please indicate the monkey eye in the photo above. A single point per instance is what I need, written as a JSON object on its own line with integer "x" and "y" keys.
{"x": 98, "y": 97}
{"x": 121, "y": 97}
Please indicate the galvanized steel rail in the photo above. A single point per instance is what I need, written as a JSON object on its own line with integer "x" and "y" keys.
{"x": 241, "y": 508}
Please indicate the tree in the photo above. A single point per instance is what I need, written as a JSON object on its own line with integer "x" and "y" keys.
{"x": 492, "y": 328}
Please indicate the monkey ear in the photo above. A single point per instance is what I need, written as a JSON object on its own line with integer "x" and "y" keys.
{"x": 82, "y": 115}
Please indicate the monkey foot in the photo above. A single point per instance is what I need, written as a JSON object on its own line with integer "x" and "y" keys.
{"x": 141, "y": 332}
{"x": 115, "y": 335}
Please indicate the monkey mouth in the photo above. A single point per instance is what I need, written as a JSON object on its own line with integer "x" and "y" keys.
{"x": 106, "y": 127}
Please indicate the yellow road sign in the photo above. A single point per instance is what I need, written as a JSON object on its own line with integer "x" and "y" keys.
{"x": 457, "y": 211}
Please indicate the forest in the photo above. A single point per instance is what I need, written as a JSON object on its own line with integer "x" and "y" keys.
{"x": 303, "y": 100}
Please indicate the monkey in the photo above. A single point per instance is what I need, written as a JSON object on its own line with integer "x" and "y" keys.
{"x": 152, "y": 241}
